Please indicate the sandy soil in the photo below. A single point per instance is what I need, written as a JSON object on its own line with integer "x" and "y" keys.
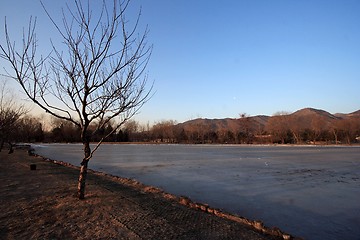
{"x": 42, "y": 204}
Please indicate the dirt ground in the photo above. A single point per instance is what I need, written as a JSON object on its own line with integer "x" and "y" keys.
{"x": 42, "y": 204}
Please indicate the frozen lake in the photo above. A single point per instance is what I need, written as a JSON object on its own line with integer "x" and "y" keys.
{"x": 311, "y": 192}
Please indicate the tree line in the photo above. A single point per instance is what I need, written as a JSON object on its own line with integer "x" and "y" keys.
{"x": 278, "y": 129}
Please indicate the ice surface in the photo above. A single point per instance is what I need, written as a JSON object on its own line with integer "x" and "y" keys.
{"x": 311, "y": 192}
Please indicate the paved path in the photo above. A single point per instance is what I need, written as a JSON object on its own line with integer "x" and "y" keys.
{"x": 41, "y": 204}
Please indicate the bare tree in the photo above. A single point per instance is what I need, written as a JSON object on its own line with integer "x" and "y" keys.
{"x": 100, "y": 76}
{"x": 10, "y": 113}
{"x": 318, "y": 126}
{"x": 296, "y": 127}
{"x": 245, "y": 128}
{"x": 278, "y": 126}
{"x": 131, "y": 128}
{"x": 164, "y": 131}
{"x": 349, "y": 127}
{"x": 29, "y": 129}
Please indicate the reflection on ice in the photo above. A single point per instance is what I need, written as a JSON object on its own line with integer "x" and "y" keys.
{"x": 311, "y": 192}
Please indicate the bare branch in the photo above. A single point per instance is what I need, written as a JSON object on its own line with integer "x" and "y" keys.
{"x": 100, "y": 76}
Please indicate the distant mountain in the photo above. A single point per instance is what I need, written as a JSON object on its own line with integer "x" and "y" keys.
{"x": 260, "y": 119}
{"x": 302, "y": 117}
{"x": 211, "y": 124}
{"x": 312, "y": 112}
{"x": 356, "y": 113}
{"x": 347, "y": 115}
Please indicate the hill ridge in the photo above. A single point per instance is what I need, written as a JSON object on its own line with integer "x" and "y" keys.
{"x": 303, "y": 111}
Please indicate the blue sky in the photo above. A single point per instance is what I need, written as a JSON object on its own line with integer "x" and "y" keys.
{"x": 215, "y": 59}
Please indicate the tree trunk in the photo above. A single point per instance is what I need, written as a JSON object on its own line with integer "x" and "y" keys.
{"x": 83, "y": 171}
{"x": 296, "y": 138}
{"x": 1, "y": 144}
{"x": 82, "y": 180}
{"x": 11, "y": 149}
{"x": 335, "y": 136}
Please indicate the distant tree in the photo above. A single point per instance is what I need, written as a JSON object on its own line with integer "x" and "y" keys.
{"x": 105, "y": 130}
{"x": 259, "y": 133}
{"x": 349, "y": 129}
{"x": 164, "y": 131}
{"x": 221, "y": 134}
{"x": 278, "y": 127}
{"x": 10, "y": 114}
{"x": 211, "y": 137}
{"x": 99, "y": 77}
{"x": 230, "y": 137}
{"x": 122, "y": 136}
{"x": 30, "y": 129}
{"x": 181, "y": 136}
{"x": 318, "y": 126}
{"x": 64, "y": 131}
{"x": 130, "y": 129}
{"x": 296, "y": 127}
{"x": 334, "y": 129}
{"x": 246, "y": 132}
{"x": 195, "y": 132}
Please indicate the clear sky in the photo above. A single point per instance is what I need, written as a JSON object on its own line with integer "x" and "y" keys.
{"x": 217, "y": 59}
